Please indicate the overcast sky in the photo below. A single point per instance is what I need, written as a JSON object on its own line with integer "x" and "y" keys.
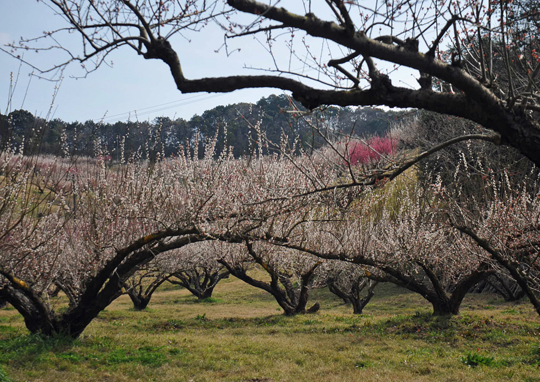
{"x": 132, "y": 88}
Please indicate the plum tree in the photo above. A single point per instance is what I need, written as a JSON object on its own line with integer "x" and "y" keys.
{"x": 196, "y": 268}
{"x": 291, "y": 273}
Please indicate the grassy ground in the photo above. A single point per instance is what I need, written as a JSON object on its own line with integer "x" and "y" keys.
{"x": 241, "y": 336}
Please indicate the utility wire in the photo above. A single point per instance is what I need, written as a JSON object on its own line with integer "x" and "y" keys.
{"x": 161, "y": 107}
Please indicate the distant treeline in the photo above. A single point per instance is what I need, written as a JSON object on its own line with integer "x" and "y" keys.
{"x": 234, "y": 125}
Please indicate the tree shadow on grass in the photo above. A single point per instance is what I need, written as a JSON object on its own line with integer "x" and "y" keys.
{"x": 202, "y": 322}
{"x": 32, "y": 347}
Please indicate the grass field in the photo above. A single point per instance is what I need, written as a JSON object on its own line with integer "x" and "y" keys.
{"x": 241, "y": 335}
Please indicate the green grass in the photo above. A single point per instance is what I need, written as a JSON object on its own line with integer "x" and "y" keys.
{"x": 474, "y": 359}
{"x": 3, "y": 376}
{"x": 241, "y": 335}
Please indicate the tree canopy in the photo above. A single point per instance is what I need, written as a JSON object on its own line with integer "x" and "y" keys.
{"x": 233, "y": 125}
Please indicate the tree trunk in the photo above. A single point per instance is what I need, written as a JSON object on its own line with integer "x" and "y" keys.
{"x": 303, "y": 295}
{"x": 139, "y": 302}
{"x": 360, "y": 303}
{"x": 37, "y": 317}
{"x": 520, "y": 278}
{"x": 100, "y": 291}
{"x": 191, "y": 281}
{"x": 207, "y": 293}
{"x": 506, "y": 287}
{"x": 444, "y": 307}
{"x": 288, "y": 310}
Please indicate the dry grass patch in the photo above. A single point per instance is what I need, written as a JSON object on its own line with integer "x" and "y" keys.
{"x": 241, "y": 335}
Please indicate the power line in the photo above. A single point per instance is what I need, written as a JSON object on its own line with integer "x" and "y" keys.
{"x": 161, "y": 107}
